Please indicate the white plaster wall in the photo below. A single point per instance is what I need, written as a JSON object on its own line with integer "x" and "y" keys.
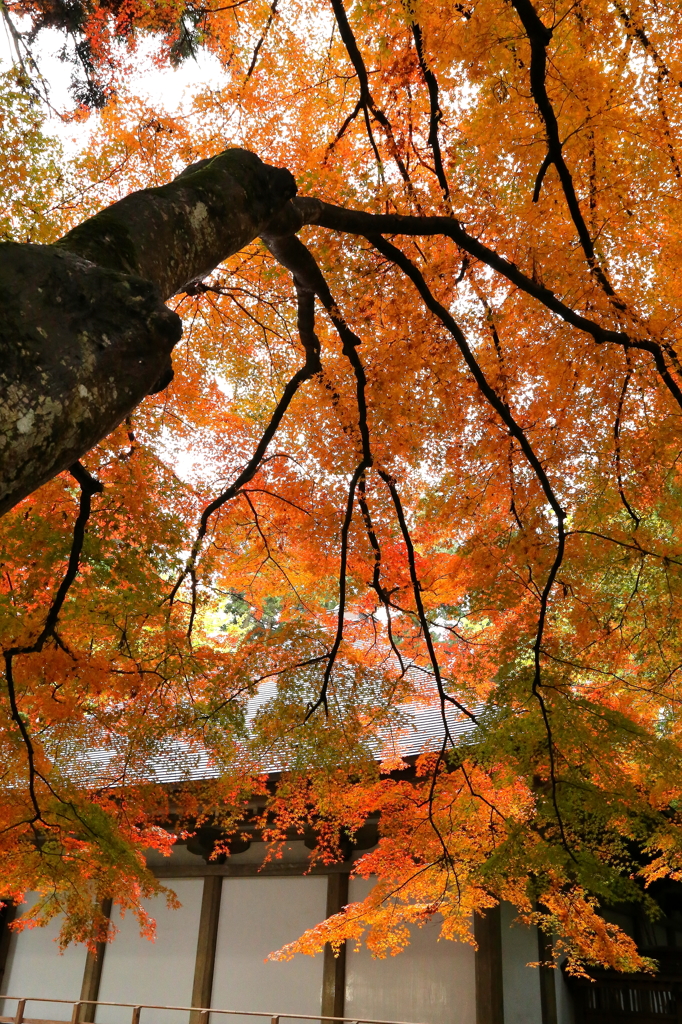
{"x": 564, "y": 1002}
{"x": 258, "y": 916}
{"x": 432, "y": 981}
{"x": 136, "y": 970}
{"x": 35, "y": 967}
{"x": 521, "y": 984}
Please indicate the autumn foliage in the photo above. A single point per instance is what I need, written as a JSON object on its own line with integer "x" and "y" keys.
{"x": 472, "y": 501}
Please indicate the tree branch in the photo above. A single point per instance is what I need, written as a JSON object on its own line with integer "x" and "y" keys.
{"x": 416, "y": 589}
{"x": 539, "y": 37}
{"x": 616, "y": 440}
{"x": 505, "y": 414}
{"x": 311, "y": 366}
{"x": 268, "y": 23}
{"x": 89, "y": 486}
{"x": 366, "y": 99}
{"x": 308, "y": 210}
{"x": 435, "y": 114}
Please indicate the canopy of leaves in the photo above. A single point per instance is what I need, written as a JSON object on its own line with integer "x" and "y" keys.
{"x": 31, "y": 177}
{"x": 474, "y": 500}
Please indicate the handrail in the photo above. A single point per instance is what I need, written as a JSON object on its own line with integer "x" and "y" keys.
{"x": 204, "y": 1011}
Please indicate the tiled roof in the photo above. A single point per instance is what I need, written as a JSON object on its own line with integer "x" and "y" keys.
{"x": 176, "y": 762}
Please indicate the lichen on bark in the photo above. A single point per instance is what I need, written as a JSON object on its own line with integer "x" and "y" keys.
{"x": 181, "y": 231}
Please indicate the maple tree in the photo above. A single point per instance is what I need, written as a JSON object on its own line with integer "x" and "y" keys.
{"x": 421, "y": 446}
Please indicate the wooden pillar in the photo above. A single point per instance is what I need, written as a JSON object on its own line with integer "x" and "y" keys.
{"x": 547, "y": 979}
{"x": 334, "y": 968}
{"x": 7, "y": 915}
{"x": 206, "y": 944}
{"x": 93, "y": 973}
{"x": 489, "y": 993}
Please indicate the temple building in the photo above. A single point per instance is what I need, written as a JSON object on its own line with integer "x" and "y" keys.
{"x": 213, "y": 950}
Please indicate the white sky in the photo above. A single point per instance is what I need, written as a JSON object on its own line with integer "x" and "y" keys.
{"x": 168, "y": 88}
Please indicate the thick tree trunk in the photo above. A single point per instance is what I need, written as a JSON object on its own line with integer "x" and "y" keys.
{"x": 85, "y": 334}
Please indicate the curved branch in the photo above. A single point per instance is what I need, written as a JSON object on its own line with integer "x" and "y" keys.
{"x": 308, "y": 210}
{"x": 89, "y": 486}
{"x": 416, "y": 589}
{"x": 435, "y": 114}
{"x": 505, "y": 414}
{"x": 616, "y": 441}
{"x": 539, "y": 37}
{"x": 311, "y": 366}
{"x": 367, "y": 101}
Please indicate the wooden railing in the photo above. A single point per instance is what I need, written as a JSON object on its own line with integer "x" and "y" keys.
{"x": 200, "y": 1014}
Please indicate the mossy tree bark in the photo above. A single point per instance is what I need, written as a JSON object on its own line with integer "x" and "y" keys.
{"x": 85, "y": 334}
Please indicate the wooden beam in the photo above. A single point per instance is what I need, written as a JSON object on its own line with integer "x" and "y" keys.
{"x": 489, "y": 991}
{"x": 334, "y": 967}
{"x": 204, "y": 964}
{"x": 253, "y": 870}
{"x": 92, "y": 974}
{"x": 547, "y": 979}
